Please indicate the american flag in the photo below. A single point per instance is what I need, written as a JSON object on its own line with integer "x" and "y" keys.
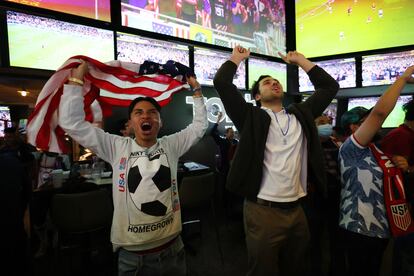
{"x": 113, "y": 83}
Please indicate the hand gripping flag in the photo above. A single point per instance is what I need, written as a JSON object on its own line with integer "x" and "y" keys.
{"x": 114, "y": 83}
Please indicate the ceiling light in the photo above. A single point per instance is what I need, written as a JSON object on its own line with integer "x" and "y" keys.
{"x": 23, "y": 92}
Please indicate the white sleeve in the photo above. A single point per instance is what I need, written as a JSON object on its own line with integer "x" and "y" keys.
{"x": 72, "y": 120}
{"x": 182, "y": 141}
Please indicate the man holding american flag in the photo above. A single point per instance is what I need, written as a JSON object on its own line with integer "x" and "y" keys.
{"x": 147, "y": 220}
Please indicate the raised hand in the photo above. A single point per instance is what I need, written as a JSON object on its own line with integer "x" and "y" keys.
{"x": 80, "y": 71}
{"x": 296, "y": 58}
{"x": 408, "y": 74}
{"x": 219, "y": 116}
{"x": 239, "y": 54}
{"x": 292, "y": 57}
{"x": 195, "y": 86}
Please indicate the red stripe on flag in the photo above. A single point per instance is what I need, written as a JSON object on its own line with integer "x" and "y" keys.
{"x": 43, "y": 135}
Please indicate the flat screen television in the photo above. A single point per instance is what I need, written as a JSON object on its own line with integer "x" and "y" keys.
{"x": 207, "y": 62}
{"x": 385, "y": 68}
{"x": 329, "y": 27}
{"x": 330, "y": 111}
{"x": 394, "y": 119}
{"x": 342, "y": 70}
{"x": 133, "y": 48}
{"x": 259, "y": 25}
{"x": 44, "y": 43}
{"x": 258, "y": 67}
{"x": 5, "y": 119}
{"x": 96, "y": 9}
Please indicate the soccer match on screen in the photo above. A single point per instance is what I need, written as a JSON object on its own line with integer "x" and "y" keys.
{"x": 342, "y": 26}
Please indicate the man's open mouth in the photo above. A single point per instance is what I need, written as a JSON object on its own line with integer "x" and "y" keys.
{"x": 146, "y": 126}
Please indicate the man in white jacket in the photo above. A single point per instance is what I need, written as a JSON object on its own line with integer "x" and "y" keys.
{"x": 147, "y": 219}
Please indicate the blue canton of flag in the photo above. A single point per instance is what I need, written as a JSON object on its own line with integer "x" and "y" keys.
{"x": 171, "y": 68}
{"x": 162, "y": 29}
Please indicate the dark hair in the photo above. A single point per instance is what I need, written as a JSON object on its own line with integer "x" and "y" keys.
{"x": 353, "y": 116}
{"x": 141, "y": 99}
{"x": 255, "y": 88}
{"x": 409, "y": 110}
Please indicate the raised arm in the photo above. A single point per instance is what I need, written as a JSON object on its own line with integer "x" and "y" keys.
{"x": 72, "y": 118}
{"x": 214, "y": 130}
{"x": 382, "y": 108}
{"x": 325, "y": 86}
{"x": 296, "y": 58}
{"x": 231, "y": 97}
{"x": 183, "y": 140}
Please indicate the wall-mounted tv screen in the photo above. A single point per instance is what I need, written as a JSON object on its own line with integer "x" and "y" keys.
{"x": 258, "y": 67}
{"x": 258, "y": 25}
{"x": 96, "y": 9}
{"x": 385, "y": 69}
{"x": 44, "y": 43}
{"x": 394, "y": 119}
{"x": 329, "y": 27}
{"x": 342, "y": 70}
{"x": 207, "y": 62}
{"x": 330, "y": 111}
{"x": 5, "y": 119}
{"x": 133, "y": 48}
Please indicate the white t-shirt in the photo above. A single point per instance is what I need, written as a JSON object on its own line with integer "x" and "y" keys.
{"x": 285, "y": 159}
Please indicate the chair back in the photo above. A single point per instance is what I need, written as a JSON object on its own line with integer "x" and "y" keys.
{"x": 82, "y": 212}
{"x": 196, "y": 191}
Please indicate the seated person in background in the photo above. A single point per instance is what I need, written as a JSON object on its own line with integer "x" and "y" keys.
{"x": 399, "y": 143}
{"x": 146, "y": 222}
{"x": 366, "y": 174}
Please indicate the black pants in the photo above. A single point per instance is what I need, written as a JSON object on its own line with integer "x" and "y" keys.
{"x": 364, "y": 254}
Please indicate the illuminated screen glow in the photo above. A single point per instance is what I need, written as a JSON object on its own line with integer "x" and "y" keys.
{"x": 394, "y": 119}
{"x": 385, "y": 69}
{"x": 342, "y": 70}
{"x": 43, "y": 43}
{"x": 207, "y": 62}
{"x": 330, "y": 111}
{"x": 96, "y": 9}
{"x": 255, "y": 24}
{"x": 330, "y": 27}
{"x": 258, "y": 67}
{"x": 133, "y": 48}
{"x": 5, "y": 119}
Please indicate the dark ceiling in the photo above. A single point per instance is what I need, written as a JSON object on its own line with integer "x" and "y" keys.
{"x": 10, "y": 83}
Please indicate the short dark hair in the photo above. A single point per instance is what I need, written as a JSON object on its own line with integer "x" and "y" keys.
{"x": 255, "y": 88}
{"x": 141, "y": 99}
{"x": 409, "y": 110}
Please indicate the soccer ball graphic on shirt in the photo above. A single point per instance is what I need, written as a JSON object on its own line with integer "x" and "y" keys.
{"x": 149, "y": 188}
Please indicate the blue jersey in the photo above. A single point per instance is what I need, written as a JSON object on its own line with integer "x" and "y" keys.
{"x": 362, "y": 208}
